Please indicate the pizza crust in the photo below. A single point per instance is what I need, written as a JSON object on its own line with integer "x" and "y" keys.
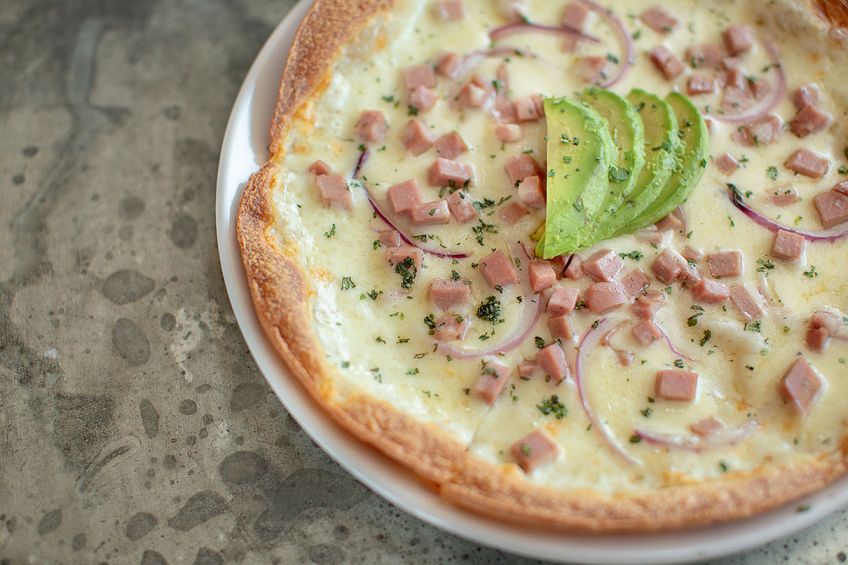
{"x": 280, "y": 291}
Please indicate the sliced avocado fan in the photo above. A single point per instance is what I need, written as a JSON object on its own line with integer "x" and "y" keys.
{"x": 580, "y": 154}
{"x": 662, "y": 145}
{"x": 628, "y": 134}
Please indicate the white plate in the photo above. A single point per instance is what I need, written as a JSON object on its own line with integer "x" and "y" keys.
{"x": 243, "y": 151}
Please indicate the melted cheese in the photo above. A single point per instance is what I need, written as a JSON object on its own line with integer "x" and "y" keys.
{"x": 382, "y": 347}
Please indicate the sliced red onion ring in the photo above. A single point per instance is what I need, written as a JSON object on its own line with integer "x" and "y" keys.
{"x": 527, "y": 27}
{"x": 670, "y": 344}
{"x": 473, "y": 59}
{"x": 625, "y": 357}
{"x": 692, "y": 442}
{"x": 531, "y": 311}
{"x": 779, "y": 91}
{"x": 624, "y": 39}
{"x": 588, "y": 343}
{"x": 363, "y": 158}
{"x": 829, "y": 236}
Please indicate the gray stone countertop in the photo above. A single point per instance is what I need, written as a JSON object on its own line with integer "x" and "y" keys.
{"x": 134, "y": 424}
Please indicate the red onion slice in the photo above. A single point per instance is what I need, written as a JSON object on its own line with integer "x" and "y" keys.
{"x": 779, "y": 91}
{"x": 588, "y": 343}
{"x": 531, "y": 311}
{"x": 692, "y": 442}
{"x": 628, "y": 57}
{"x": 670, "y": 344}
{"x": 829, "y": 236}
{"x": 528, "y": 27}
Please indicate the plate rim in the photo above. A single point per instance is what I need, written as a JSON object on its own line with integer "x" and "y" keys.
{"x": 363, "y": 461}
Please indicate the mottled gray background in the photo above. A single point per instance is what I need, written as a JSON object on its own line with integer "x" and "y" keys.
{"x": 134, "y": 425}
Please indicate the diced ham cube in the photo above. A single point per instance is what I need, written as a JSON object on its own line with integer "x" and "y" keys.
{"x": 658, "y": 20}
{"x": 801, "y": 386}
{"x": 737, "y": 92}
{"x": 542, "y": 275}
{"x": 508, "y": 133}
{"x": 372, "y": 126}
{"x": 529, "y": 109}
{"x": 646, "y": 332}
{"x": 591, "y": 69}
{"x": 319, "y": 168}
{"x": 806, "y": 95}
{"x": 449, "y": 65}
{"x": 444, "y": 172}
{"x": 725, "y": 263}
{"x": 817, "y": 339}
{"x": 519, "y": 167}
{"x": 745, "y": 302}
{"x": 603, "y": 266}
{"x": 602, "y": 297}
{"x": 461, "y": 207}
{"x": 534, "y": 450}
{"x": 562, "y": 301}
{"x": 450, "y": 10}
{"x": 560, "y": 327}
{"x": 553, "y": 363}
{"x": 397, "y": 255}
{"x": 404, "y": 196}
{"x": 498, "y": 270}
{"x": 783, "y": 196}
{"x": 668, "y": 266}
{"x": 527, "y": 369}
{"x": 574, "y": 15}
{"x": 760, "y": 88}
{"x": 787, "y": 245}
{"x": 491, "y": 381}
{"x": 558, "y": 263}
{"x": 708, "y": 56}
{"x": 709, "y": 291}
{"x": 738, "y": 39}
{"x": 832, "y": 207}
{"x": 333, "y": 191}
{"x": 451, "y": 145}
{"x": 824, "y": 324}
{"x": 666, "y": 62}
{"x": 689, "y": 275}
{"x": 450, "y": 327}
{"x": 764, "y": 131}
{"x": 692, "y": 254}
{"x": 810, "y": 120}
{"x": 726, "y": 164}
{"x": 807, "y": 163}
{"x": 472, "y": 96}
{"x": 416, "y": 137}
{"x": 701, "y": 83}
{"x": 512, "y": 213}
{"x": 419, "y": 75}
{"x": 531, "y": 194}
{"x": 390, "y": 238}
{"x": 676, "y": 384}
{"x": 431, "y": 213}
{"x": 670, "y": 223}
{"x": 649, "y": 235}
{"x": 423, "y": 98}
{"x": 574, "y": 268}
{"x": 841, "y": 187}
{"x": 634, "y": 282}
{"x": 447, "y": 295}
{"x": 706, "y": 426}
{"x": 647, "y": 305}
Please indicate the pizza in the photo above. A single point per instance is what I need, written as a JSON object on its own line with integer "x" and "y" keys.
{"x": 576, "y": 265}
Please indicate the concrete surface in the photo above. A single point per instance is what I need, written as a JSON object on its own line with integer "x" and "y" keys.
{"x": 134, "y": 425}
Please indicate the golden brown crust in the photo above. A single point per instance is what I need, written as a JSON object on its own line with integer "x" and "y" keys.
{"x": 280, "y": 291}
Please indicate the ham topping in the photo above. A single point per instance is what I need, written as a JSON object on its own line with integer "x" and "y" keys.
{"x": 447, "y": 295}
{"x": 709, "y": 56}
{"x": 416, "y": 137}
{"x": 404, "y": 197}
{"x": 512, "y": 213}
{"x": 533, "y": 450}
{"x": 450, "y": 327}
{"x": 491, "y": 381}
{"x": 591, "y": 69}
{"x": 788, "y": 246}
{"x": 603, "y": 266}
{"x": 397, "y": 255}
{"x": 372, "y": 126}
{"x": 450, "y": 10}
{"x": 810, "y": 120}
{"x": 646, "y": 332}
{"x": 542, "y": 275}
{"x": 519, "y": 167}
{"x": 461, "y": 206}
{"x": 707, "y": 426}
{"x": 423, "y": 98}
{"x": 472, "y": 96}
{"x": 529, "y": 109}
{"x": 659, "y": 20}
{"x": 832, "y": 207}
{"x": 710, "y": 291}
{"x": 783, "y": 196}
{"x": 725, "y": 263}
{"x": 561, "y": 328}
{"x": 676, "y": 384}
{"x": 574, "y": 268}
{"x": 431, "y": 213}
{"x": 666, "y": 62}
{"x": 508, "y": 133}
{"x": 449, "y": 66}
{"x": 390, "y": 238}
{"x": 801, "y": 386}
{"x": 806, "y": 95}
{"x": 738, "y": 39}
{"x": 574, "y": 15}
{"x": 450, "y": 146}
{"x": 745, "y": 303}
{"x": 602, "y": 297}
{"x": 419, "y": 75}
{"x": 498, "y": 270}
{"x": 562, "y": 301}
{"x": 527, "y": 369}
{"x": 444, "y": 172}
{"x": 823, "y": 325}
{"x": 531, "y": 193}
{"x": 634, "y": 282}
{"x": 552, "y": 361}
{"x": 647, "y": 305}
{"x": 807, "y": 163}
{"x": 333, "y": 191}
{"x": 701, "y": 82}
{"x": 668, "y": 266}
{"x": 319, "y": 168}
{"x": 764, "y": 131}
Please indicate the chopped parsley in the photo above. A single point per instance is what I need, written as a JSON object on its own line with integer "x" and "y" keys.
{"x": 407, "y": 271}
{"x": 540, "y": 343}
{"x": 618, "y": 174}
{"x": 753, "y": 327}
{"x": 679, "y": 363}
{"x": 771, "y": 172}
{"x": 635, "y": 255}
{"x": 481, "y": 229}
{"x": 707, "y": 336}
{"x": 347, "y": 283}
{"x": 635, "y": 438}
{"x": 811, "y": 274}
{"x": 430, "y": 321}
{"x": 490, "y": 310}
{"x": 331, "y": 232}
{"x": 765, "y": 265}
{"x": 553, "y": 406}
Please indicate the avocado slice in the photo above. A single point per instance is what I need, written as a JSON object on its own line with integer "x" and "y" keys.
{"x": 628, "y": 134}
{"x": 691, "y": 163}
{"x": 580, "y": 153}
{"x": 662, "y": 146}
